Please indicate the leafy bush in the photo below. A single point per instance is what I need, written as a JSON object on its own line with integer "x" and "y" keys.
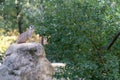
{"x": 78, "y": 32}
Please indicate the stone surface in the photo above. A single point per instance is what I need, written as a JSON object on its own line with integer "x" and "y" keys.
{"x": 26, "y": 61}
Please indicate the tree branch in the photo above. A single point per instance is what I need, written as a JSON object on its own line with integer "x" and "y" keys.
{"x": 113, "y": 41}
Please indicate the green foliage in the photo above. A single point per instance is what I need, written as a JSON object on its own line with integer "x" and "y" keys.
{"x": 78, "y": 30}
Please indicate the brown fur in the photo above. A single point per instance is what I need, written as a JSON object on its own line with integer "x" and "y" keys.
{"x": 25, "y": 36}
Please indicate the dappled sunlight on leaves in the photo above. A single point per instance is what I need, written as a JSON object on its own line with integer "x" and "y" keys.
{"x": 7, "y": 39}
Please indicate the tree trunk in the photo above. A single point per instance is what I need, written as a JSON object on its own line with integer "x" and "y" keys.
{"x": 19, "y": 16}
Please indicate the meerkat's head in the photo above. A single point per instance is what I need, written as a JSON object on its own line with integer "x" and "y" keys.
{"x": 31, "y": 27}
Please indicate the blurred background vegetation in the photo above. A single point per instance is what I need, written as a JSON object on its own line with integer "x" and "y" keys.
{"x": 79, "y": 30}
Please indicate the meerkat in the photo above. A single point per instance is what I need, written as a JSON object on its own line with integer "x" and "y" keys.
{"x": 25, "y": 35}
{"x": 44, "y": 40}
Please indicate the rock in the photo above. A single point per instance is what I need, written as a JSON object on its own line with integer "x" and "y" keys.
{"x": 26, "y": 61}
